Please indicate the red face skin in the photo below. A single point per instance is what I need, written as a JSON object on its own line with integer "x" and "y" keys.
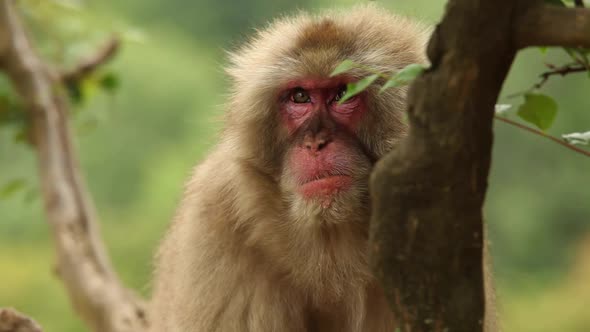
{"x": 325, "y": 151}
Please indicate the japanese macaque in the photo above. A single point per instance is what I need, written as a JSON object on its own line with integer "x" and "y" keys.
{"x": 271, "y": 234}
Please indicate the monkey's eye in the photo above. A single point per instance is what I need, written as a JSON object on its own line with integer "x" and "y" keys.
{"x": 340, "y": 93}
{"x": 300, "y": 96}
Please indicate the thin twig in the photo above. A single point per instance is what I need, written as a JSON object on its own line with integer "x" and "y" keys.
{"x": 563, "y": 71}
{"x": 542, "y": 134}
{"x": 89, "y": 65}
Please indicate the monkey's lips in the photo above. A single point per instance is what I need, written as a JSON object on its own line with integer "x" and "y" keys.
{"x": 325, "y": 186}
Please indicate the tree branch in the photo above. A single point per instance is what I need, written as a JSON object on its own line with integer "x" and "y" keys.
{"x": 88, "y": 66}
{"x": 545, "y": 25}
{"x": 542, "y": 134}
{"x": 13, "y": 321}
{"x": 562, "y": 71}
{"x": 82, "y": 263}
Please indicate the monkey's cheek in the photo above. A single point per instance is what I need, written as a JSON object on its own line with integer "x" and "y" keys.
{"x": 325, "y": 188}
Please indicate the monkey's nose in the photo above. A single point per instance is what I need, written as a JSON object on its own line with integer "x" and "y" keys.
{"x": 316, "y": 142}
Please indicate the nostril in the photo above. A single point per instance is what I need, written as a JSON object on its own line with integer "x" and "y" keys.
{"x": 315, "y": 143}
{"x": 322, "y": 140}
{"x": 321, "y": 143}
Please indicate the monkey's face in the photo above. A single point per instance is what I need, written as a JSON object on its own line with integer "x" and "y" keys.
{"x": 285, "y": 120}
{"x": 325, "y": 164}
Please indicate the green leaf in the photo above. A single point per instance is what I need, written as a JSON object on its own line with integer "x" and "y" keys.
{"x": 404, "y": 76}
{"x": 353, "y": 89}
{"x": 76, "y": 93}
{"x": 343, "y": 67}
{"x": 12, "y": 187}
{"x": 539, "y": 110}
{"x": 577, "y": 138}
{"x": 109, "y": 82}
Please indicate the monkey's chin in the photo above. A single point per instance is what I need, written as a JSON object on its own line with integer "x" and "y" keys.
{"x": 325, "y": 187}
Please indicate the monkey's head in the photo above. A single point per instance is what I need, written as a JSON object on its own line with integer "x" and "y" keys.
{"x": 285, "y": 115}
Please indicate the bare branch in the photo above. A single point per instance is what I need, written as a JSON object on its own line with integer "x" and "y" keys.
{"x": 13, "y": 321}
{"x": 82, "y": 263}
{"x": 562, "y": 71}
{"x": 546, "y": 25}
{"x": 88, "y": 66}
{"x": 554, "y": 70}
{"x": 545, "y": 135}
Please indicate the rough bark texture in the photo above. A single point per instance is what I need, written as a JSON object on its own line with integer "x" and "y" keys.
{"x": 82, "y": 263}
{"x": 553, "y": 26}
{"x": 426, "y": 227}
{"x": 13, "y": 321}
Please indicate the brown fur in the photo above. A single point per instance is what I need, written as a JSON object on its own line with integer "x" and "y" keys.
{"x": 244, "y": 253}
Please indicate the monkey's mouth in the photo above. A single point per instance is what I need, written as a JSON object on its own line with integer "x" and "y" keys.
{"x": 325, "y": 186}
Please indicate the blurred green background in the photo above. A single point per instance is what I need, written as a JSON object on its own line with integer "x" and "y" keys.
{"x": 138, "y": 145}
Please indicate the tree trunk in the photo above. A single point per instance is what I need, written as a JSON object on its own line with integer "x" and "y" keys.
{"x": 427, "y": 227}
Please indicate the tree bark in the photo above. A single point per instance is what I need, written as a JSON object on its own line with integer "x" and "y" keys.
{"x": 13, "y": 321}
{"x": 553, "y": 26}
{"x": 427, "y": 228}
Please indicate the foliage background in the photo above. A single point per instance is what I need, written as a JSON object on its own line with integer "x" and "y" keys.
{"x": 137, "y": 146}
